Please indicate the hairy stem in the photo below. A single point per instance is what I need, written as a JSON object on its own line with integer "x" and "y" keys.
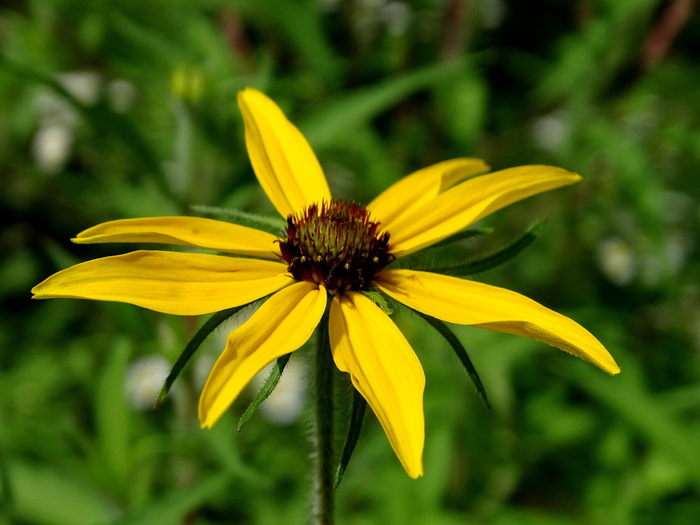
{"x": 323, "y": 432}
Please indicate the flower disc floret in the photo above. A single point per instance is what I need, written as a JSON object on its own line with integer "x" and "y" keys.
{"x": 336, "y": 244}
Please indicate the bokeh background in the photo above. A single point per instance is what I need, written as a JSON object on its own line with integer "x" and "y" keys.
{"x": 123, "y": 109}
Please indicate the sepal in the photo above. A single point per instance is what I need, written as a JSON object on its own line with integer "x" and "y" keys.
{"x": 357, "y": 418}
{"x": 378, "y": 299}
{"x": 267, "y": 389}
{"x": 419, "y": 258}
{"x": 492, "y": 260}
{"x": 193, "y": 345}
{"x": 460, "y": 352}
{"x": 267, "y": 223}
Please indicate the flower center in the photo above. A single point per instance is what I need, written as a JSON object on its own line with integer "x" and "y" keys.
{"x": 335, "y": 244}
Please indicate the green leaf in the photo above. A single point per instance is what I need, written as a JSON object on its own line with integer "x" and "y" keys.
{"x": 302, "y": 23}
{"x": 491, "y": 261}
{"x": 178, "y": 504}
{"x": 460, "y": 352}
{"x": 48, "y": 496}
{"x": 359, "y": 407}
{"x": 274, "y": 225}
{"x": 228, "y": 456}
{"x": 630, "y": 399}
{"x": 112, "y": 414}
{"x": 378, "y": 299}
{"x": 349, "y": 112}
{"x": 193, "y": 345}
{"x": 459, "y": 237}
{"x": 266, "y": 390}
{"x": 419, "y": 259}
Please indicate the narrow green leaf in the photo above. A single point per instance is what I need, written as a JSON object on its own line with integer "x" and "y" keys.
{"x": 460, "y": 236}
{"x": 419, "y": 260}
{"x": 460, "y": 352}
{"x": 359, "y": 407}
{"x": 112, "y": 414}
{"x": 152, "y": 44}
{"x": 6, "y": 492}
{"x": 630, "y": 400}
{"x": 266, "y": 390}
{"x": 45, "y": 494}
{"x": 350, "y": 111}
{"x": 302, "y": 23}
{"x": 495, "y": 259}
{"x": 274, "y": 225}
{"x": 175, "y": 506}
{"x": 192, "y": 346}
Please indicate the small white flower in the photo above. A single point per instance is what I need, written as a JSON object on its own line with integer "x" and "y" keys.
{"x": 550, "y": 131}
{"x": 51, "y": 110}
{"x": 121, "y": 95}
{"x": 617, "y": 261}
{"x": 397, "y": 17}
{"x": 51, "y": 147}
{"x": 85, "y": 86}
{"x": 144, "y": 379}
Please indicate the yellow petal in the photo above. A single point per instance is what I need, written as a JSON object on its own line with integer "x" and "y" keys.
{"x": 283, "y": 161}
{"x": 467, "y": 302}
{"x": 168, "y": 282}
{"x": 384, "y": 369}
{"x": 185, "y": 231}
{"x": 466, "y": 203}
{"x": 280, "y": 326}
{"x": 420, "y": 187}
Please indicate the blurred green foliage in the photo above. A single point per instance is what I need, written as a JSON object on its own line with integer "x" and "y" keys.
{"x": 124, "y": 109}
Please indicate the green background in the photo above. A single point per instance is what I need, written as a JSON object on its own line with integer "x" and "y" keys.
{"x": 149, "y": 126}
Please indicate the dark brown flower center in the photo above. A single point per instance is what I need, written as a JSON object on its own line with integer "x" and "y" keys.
{"x": 335, "y": 244}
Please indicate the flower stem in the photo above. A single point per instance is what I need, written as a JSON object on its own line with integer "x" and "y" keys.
{"x": 323, "y": 431}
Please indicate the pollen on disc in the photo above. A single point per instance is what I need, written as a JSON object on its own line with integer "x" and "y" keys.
{"x": 335, "y": 244}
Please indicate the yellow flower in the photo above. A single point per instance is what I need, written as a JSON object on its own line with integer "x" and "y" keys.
{"x": 331, "y": 251}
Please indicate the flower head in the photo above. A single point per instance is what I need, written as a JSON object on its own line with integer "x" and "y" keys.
{"x": 335, "y": 244}
{"x": 331, "y": 250}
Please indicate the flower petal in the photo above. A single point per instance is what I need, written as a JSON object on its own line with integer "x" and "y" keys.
{"x": 420, "y": 187}
{"x": 168, "y": 282}
{"x": 469, "y": 201}
{"x": 283, "y": 161}
{"x": 185, "y": 231}
{"x": 280, "y": 326}
{"x": 384, "y": 369}
{"x": 471, "y": 303}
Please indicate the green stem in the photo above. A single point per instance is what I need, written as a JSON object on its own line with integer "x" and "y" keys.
{"x": 323, "y": 431}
